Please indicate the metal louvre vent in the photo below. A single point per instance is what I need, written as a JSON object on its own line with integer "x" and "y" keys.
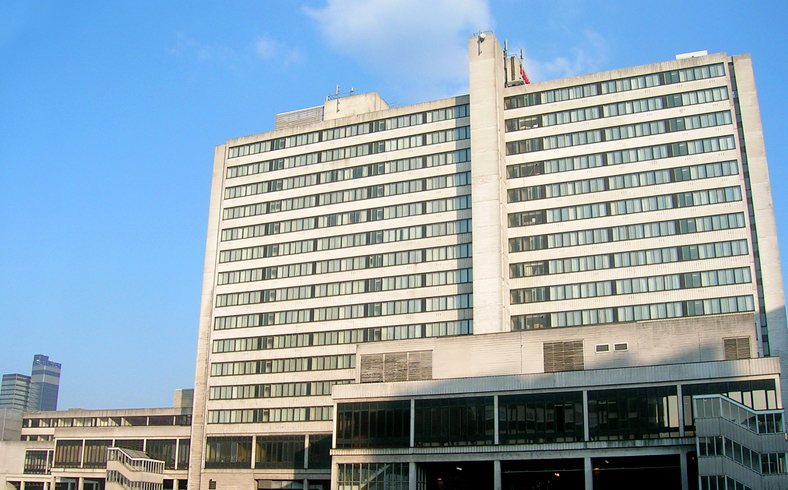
{"x": 736, "y": 348}
{"x": 396, "y": 366}
{"x": 563, "y": 356}
{"x": 299, "y": 118}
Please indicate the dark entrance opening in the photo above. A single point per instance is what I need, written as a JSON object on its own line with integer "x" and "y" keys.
{"x": 464, "y": 475}
{"x": 641, "y": 472}
{"x": 552, "y": 474}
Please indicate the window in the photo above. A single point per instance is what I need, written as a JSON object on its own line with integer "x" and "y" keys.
{"x": 280, "y": 452}
{"x": 454, "y": 422}
{"x": 373, "y": 424}
{"x": 541, "y": 418}
{"x": 228, "y": 452}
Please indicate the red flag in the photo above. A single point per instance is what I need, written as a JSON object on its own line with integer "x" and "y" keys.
{"x": 525, "y": 77}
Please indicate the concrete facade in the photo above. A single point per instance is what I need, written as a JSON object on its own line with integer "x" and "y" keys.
{"x": 618, "y": 223}
{"x": 70, "y": 449}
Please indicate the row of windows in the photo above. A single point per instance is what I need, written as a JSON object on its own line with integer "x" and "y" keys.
{"x": 349, "y": 195}
{"x": 769, "y": 463}
{"x": 656, "y": 311}
{"x": 360, "y": 286}
{"x": 293, "y": 365}
{"x": 349, "y": 173}
{"x": 434, "y": 138}
{"x": 348, "y": 218}
{"x": 375, "y": 147}
{"x": 351, "y": 130}
{"x": 613, "y": 86}
{"x": 633, "y": 206}
{"x": 721, "y": 482}
{"x": 627, "y": 232}
{"x": 530, "y": 418}
{"x": 626, "y": 206}
{"x": 625, "y": 181}
{"x": 629, "y": 259}
{"x": 346, "y": 241}
{"x": 618, "y": 109}
{"x": 362, "y": 262}
{"x": 264, "y": 415}
{"x": 344, "y": 312}
{"x": 336, "y": 337}
{"x": 636, "y": 285}
{"x": 618, "y": 132}
{"x": 618, "y": 157}
{"x": 274, "y": 390}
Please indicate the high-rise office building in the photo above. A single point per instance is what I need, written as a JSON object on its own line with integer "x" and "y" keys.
{"x": 44, "y": 384}
{"x": 35, "y": 392}
{"x": 15, "y": 391}
{"x": 566, "y": 279}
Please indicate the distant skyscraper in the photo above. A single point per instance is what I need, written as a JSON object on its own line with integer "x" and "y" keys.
{"x": 44, "y": 384}
{"x": 35, "y": 392}
{"x": 15, "y": 391}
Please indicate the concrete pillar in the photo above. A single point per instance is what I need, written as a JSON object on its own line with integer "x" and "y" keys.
{"x": 334, "y": 475}
{"x": 586, "y": 428}
{"x": 497, "y": 474}
{"x": 588, "y": 470}
{"x": 254, "y": 450}
{"x": 412, "y": 422}
{"x": 496, "y": 421}
{"x": 488, "y": 189}
{"x": 80, "y": 483}
{"x": 413, "y": 477}
{"x": 684, "y": 472}
{"x": 174, "y": 484}
{"x": 681, "y": 410}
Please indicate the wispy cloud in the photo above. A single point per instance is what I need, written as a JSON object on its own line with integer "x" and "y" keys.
{"x": 264, "y": 48}
{"x": 188, "y": 46}
{"x": 587, "y": 57}
{"x": 409, "y": 40}
{"x": 270, "y": 49}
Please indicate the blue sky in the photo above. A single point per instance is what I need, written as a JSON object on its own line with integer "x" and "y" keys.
{"x": 109, "y": 112}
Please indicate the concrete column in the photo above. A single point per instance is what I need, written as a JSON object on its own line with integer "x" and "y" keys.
{"x": 496, "y": 422}
{"x": 681, "y": 410}
{"x": 254, "y": 449}
{"x": 334, "y": 475}
{"x": 306, "y": 452}
{"x": 497, "y": 474}
{"x": 588, "y": 470}
{"x": 80, "y": 483}
{"x": 586, "y": 429}
{"x": 488, "y": 188}
{"x": 412, "y": 422}
{"x": 22, "y": 485}
{"x": 684, "y": 471}
{"x": 306, "y": 483}
{"x": 413, "y": 477}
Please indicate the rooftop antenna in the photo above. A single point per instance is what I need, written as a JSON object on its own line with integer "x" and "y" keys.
{"x": 521, "y": 54}
{"x": 337, "y": 90}
{"x": 505, "y": 47}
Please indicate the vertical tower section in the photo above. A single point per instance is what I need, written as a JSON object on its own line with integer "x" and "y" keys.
{"x": 323, "y": 236}
{"x": 766, "y": 255}
{"x": 490, "y": 252}
{"x": 44, "y": 384}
